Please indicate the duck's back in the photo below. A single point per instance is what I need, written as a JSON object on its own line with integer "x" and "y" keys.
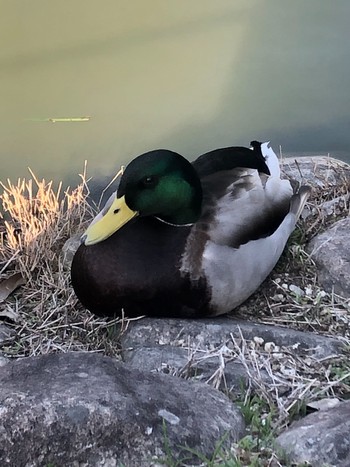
{"x": 230, "y": 158}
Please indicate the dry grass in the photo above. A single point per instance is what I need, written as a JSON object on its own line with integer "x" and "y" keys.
{"x": 284, "y": 381}
{"x": 38, "y": 220}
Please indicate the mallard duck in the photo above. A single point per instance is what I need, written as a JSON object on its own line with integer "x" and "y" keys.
{"x": 181, "y": 239}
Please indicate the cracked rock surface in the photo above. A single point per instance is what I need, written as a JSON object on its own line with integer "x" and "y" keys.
{"x": 88, "y": 409}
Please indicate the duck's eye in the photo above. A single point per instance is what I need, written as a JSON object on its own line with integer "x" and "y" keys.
{"x": 149, "y": 182}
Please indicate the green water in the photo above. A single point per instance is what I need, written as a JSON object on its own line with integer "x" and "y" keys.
{"x": 185, "y": 75}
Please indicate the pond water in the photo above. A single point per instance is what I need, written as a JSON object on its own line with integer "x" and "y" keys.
{"x": 188, "y": 76}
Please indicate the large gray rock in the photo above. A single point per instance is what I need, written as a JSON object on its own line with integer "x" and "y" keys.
{"x": 331, "y": 252}
{"x": 322, "y": 438}
{"x": 86, "y": 409}
{"x": 197, "y": 348}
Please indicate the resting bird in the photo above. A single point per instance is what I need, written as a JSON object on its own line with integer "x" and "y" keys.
{"x": 187, "y": 240}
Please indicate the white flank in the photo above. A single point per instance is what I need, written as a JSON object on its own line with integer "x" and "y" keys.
{"x": 234, "y": 274}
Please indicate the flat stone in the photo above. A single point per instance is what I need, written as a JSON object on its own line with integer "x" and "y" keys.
{"x": 207, "y": 334}
{"x": 331, "y": 252}
{"x": 196, "y": 348}
{"x": 205, "y": 368}
{"x": 88, "y": 409}
{"x": 321, "y": 438}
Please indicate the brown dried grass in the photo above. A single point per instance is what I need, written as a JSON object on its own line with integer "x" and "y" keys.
{"x": 38, "y": 220}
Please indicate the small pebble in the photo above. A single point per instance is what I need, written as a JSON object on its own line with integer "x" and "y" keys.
{"x": 258, "y": 340}
{"x": 287, "y": 371}
{"x": 271, "y": 347}
{"x": 278, "y": 298}
{"x": 308, "y": 291}
{"x": 297, "y": 290}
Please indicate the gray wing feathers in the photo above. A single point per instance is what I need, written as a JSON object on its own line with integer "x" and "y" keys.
{"x": 250, "y": 206}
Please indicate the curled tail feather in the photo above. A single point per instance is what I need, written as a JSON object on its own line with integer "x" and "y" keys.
{"x": 298, "y": 200}
{"x": 271, "y": 159}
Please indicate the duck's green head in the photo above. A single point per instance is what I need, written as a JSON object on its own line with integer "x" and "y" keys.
{"x": 159, "y": 183}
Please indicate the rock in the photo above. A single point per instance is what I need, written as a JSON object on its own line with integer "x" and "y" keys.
{"x": 321, "y": 438}
{"x": 208, "y": 333}
{"x": 335, "y": 206}
{"x": 331, "y": 252}
{"x": 87, "y": 409}
{"x": 329, "y": 178}
{"x": 206, "y": 368}
{"x": 196, "y": 347}
{"x": 3, "y": 360}
{"x": 317, "y": 171}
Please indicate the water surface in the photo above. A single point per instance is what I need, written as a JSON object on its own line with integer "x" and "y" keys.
{"x": 188, "y": 76}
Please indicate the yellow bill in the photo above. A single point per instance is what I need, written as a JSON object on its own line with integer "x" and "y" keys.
{"x": 113, "y": 216}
